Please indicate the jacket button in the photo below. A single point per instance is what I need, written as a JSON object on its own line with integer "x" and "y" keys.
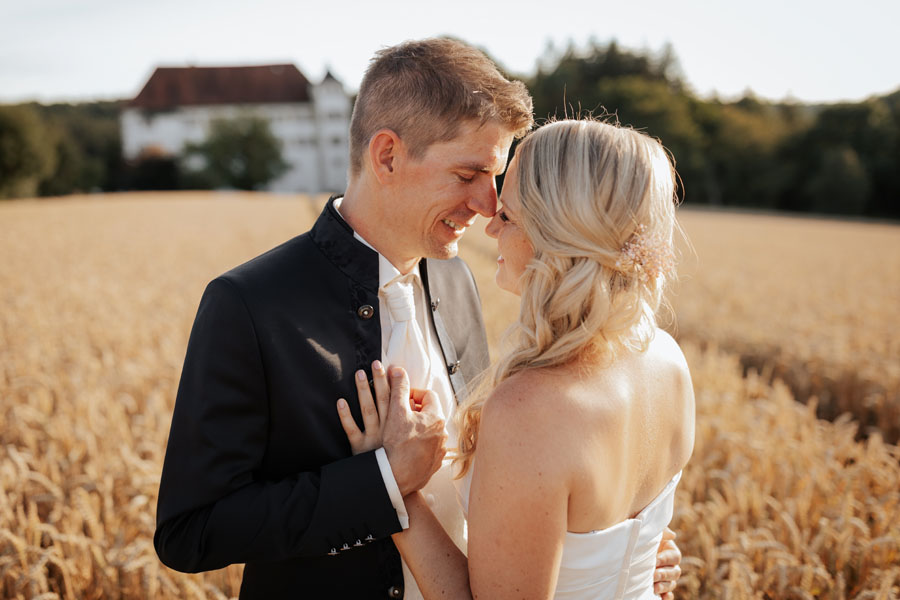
{"x": 365, "y": 311}
{"x": 453, "y": 368}
{"x": 395, "y": 591}
{"x": 435, "y": 303}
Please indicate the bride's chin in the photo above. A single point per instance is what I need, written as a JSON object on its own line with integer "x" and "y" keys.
{"x": 498, "y": 280}
{"x": 504, "y": 285}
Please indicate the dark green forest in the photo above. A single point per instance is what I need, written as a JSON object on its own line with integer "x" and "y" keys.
{"x": 829, "y": 159}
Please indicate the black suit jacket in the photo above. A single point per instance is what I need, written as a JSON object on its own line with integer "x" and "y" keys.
{"x": 258, "y": 469}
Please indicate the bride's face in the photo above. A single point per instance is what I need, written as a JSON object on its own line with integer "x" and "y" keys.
{"x": 512, "y": 244}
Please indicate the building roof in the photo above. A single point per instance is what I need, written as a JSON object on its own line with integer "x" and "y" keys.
{"x": 170, "y": 87}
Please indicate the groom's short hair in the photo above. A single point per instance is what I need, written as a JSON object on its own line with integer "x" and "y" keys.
{"x": 424, "y": 90}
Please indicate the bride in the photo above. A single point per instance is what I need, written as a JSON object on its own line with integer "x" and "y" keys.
{"x": 570, "y": 450}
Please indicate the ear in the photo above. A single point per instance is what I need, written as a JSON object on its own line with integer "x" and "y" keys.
{"x": 385, "y": 148}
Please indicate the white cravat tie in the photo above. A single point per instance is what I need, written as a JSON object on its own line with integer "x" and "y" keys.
{"x": 406, "y": 347}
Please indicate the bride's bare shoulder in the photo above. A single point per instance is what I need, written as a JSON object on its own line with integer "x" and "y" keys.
{"x": 525, "y": 430}
{"x": 539, "y": 398}
{"x": 539, "y": 405}
{"x": 528, "y": 388}
{"x": 666, "y": 356}
{"x": 524, "y": 401}
{"x": 664, "y": 345}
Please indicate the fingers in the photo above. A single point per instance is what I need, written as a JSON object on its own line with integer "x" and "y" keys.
{"x": 366, "y": 404}
{"x": 382, "y": 389}
{"x": 428, "y": 401}
{"x": 666, "y": 577}
{"x": 347, "y": 422}
{"x": 399, "y": 389}
{"x": 669, "y": 555}
{"x": 668, "y": 568}
{"x": 662, "y": 588}
{"x": 668, "y": 534}
{"x": 416, "y": 398}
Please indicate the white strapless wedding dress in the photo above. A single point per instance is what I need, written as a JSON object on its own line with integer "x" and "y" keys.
{"x": 615, "y": 563}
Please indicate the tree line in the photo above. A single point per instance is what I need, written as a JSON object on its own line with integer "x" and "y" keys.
{"x": 834, "y": 159}
{"x": 63, "y": 149}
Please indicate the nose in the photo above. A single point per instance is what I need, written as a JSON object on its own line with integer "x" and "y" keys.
{"x": 493, "y": 227}
{"x": 484, "y": 199}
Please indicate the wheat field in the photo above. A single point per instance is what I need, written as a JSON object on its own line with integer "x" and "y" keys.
{"x": 97, "y": 296}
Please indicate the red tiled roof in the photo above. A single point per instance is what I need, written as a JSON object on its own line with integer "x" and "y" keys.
{"x": 170, "y": 87}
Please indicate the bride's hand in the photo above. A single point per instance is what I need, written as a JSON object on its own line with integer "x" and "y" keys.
{"x": 374, "y": 413}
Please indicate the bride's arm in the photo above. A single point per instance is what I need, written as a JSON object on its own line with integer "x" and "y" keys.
{"x": 439, "y": 567}
{"x": 519, "y": 500}
{"x": 517, "y": 514}
{"x": 518, "y": 504}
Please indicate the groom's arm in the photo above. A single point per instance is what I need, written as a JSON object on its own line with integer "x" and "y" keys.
{"x": 212, "y": 509}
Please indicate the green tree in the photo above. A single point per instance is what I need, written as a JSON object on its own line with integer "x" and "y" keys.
{"x": 26, "y": 153}
{"x": 841, "y": 185}
{"x": 68, "y": 174}
{"x": 740, "y": 165}
{"x": 88, "y": 147}
{"x": 240, "y": 153}
{"x": 862, "y": 142}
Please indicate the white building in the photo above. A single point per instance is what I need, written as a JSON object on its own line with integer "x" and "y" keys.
{"x": 178, "y": 104}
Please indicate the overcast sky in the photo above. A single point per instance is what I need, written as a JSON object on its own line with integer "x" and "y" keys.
{"x": 815, "y": 51}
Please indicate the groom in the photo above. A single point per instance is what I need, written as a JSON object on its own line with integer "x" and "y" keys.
{"x": 258, "y": 469}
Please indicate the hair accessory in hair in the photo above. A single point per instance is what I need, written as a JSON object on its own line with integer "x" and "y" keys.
{"x": 647, "y": 255}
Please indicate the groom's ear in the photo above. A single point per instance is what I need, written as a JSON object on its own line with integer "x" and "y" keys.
{"x": 384, "y": 148}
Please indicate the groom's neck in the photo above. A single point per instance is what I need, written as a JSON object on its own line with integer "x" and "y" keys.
{"x": 369, "y": 216}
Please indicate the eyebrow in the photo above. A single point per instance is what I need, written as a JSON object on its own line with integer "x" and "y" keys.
{"x": 479, "y": 168}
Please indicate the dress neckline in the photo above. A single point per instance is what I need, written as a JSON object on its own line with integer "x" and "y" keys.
{"x": 669, "y": 487}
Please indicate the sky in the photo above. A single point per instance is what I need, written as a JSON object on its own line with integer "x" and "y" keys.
{"x": 804, "y": 50}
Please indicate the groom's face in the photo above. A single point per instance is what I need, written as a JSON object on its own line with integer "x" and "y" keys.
{"x": 445, "y": 190}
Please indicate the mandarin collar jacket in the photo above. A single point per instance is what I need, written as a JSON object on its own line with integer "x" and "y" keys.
{"x": 257, "y": 468}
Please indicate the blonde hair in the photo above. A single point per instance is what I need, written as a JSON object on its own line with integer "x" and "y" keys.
{"x": 587, "y": 189}
{"x": 424, "y": 90}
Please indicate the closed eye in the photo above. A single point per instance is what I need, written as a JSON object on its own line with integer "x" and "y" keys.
{"x": 503, "y": 217}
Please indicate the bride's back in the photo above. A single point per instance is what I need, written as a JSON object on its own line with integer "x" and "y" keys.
{"x": 638, "y": 426}
{"x": 621, "y": 431}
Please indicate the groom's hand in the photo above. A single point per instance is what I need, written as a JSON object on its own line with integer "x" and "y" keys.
{"x": 668, "y": 566}
{"x": 413, "y": 439}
